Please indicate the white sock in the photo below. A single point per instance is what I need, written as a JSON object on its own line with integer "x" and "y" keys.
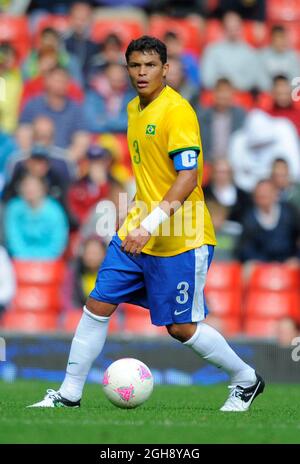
{"x": 212, "y": 347}
{"x": 87, "y": 344}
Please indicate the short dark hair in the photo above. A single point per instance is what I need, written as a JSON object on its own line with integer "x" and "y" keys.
{"x": 50, "y": 30}
{"x": 112, "y": 38}
{"x": 278, "y": 28}
{"x": 223, "y": 81}
{"x": 147, "y": 43}
{"x": 58, "y": 68}
{"x": 170, "y": 35}
{"x": 280, "y": 77}
{"x": 279, "y": 160}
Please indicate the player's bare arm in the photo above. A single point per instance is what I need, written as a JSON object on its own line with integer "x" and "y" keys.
{"x": 185, "y": 183}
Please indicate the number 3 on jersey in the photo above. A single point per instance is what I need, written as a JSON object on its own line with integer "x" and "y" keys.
{"x": 137, "y": 155}
{"x": 183, "y": 296}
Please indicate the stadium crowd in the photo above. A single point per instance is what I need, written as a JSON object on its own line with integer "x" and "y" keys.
{"x": 63, "y": 96}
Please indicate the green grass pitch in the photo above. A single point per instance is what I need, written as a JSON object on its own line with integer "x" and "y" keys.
{"x": 183, "y": 415}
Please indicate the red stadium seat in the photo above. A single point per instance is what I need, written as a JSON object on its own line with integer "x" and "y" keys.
{"x": 264, "y": 101}
{"x": 266, "y": 328}
{"x": 293, "y": 30}
{"x": 39, "y": 272}
{"x": 15, "y": 30}
{"x": 224, "y": 302}
{"x": 240, "y": 98}
{"x": 274, "y": 277}
{"x": 213, "y": 31}
{"x": 73, "y": 317}
{"x": 227, "y": 326}
{"x": 125, "y": 29}
{"x": 266, "y": 304}
{"x": 256, "y": 33}
{"x": 223, "y": 294}
{"x": 224, "y": 276}
{"x": 37, "y": 298}
{"x": 283, "y": 10}
{"x": 187, "y": 29}
{"x": 137, "y": 321}
{"x": 28, "y": 321}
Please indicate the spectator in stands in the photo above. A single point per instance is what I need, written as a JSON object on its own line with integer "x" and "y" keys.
{"x": 287, "y": 331}
{"x": 105, "y": 106}
{"x": 222, "y": 190}
{"x": 7, "y": 280}
{"x": 35, "y": 224}
{"x": 7, "y": 147}
{"x": 254, "y": 147}
{"x": 48, "y": 59}
{"x": 95, "y": 186}
{"x": 10, "y": 88}
{"x": 85, "y": 269}
{"x": 232, "y": 58}
{"x": 175, "y": 50}
{"x": 43, "y": 136}
{"x": 110, "y": 52}
{"x": 55, "y": 104}
{"x": 50, "y": 41}
{"x": 278, "y": 58}
{"x": 219, "y": 121}
{"x": 283, "y": 105}
{"x": 227, "y": 231}
{"x": 108, "y": 214}
{"x": 77, "y": 39}
{"x": 38, "y": 164}
{"x": 177, "y": 79}
{"x": 270, "y": 229}
{"x": 23, "y": 138}
{"x": 288, "y": 191}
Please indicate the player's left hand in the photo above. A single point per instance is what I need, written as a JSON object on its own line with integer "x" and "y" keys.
{"x": 135, "y": 241}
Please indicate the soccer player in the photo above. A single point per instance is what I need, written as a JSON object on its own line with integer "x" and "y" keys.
{"x": 160, "y": 256}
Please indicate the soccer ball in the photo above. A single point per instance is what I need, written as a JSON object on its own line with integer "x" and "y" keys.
{"x": 127, "y": 383}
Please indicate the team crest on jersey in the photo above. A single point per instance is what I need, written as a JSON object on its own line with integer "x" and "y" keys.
{"x": 150, "y": 130}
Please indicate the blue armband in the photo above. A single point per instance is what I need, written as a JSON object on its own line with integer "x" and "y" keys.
{"x": 186, "y": 159}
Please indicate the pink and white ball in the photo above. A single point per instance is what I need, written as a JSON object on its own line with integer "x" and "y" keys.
{"x": 127, "y": 383}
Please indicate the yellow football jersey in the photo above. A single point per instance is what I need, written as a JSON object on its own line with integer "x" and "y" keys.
{"x": 164, "y": 127}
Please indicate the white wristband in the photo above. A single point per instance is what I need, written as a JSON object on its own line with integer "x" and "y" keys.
{"x": 154, "y": 219}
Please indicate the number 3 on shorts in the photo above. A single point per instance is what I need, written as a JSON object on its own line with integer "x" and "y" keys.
{"x": 183, "y": 288}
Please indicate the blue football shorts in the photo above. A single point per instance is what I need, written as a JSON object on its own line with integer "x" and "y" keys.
{"x": 170, "y": 287}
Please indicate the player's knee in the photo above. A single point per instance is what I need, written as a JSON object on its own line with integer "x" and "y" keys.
{"x": 182, "y": 332}
{"x": 100, "y": 308}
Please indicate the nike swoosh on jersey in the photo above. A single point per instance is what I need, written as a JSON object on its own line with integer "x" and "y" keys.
{"x": 177, "y": 313}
